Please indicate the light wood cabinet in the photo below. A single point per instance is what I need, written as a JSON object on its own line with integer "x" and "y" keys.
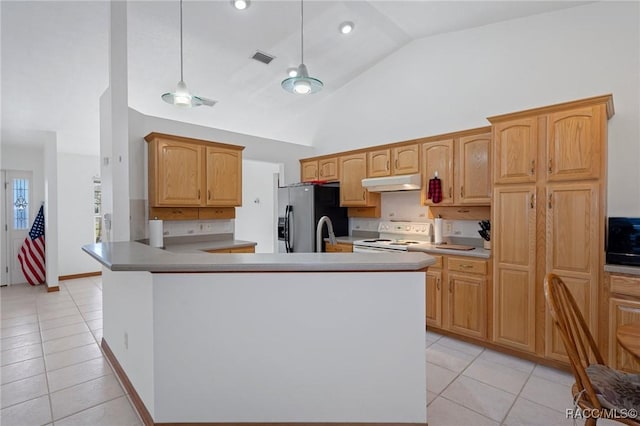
{"x": 401, "y": 160}
{"x": 467, "y": 297}
{"x": 515, "y": 150}
{"x": 338, "y": 248}
{"x": 437, "y": 157}
{"x": 621, "y": 312}
{"x": 514, "y": 251}
{"x": 223, "y": 177}
{"x": 473, "y": 182}
{"x": 548, "y": 216}
{"x": 328, "y": 168}
{"x": 463, "y": 166}
{"x": 193, "y": 179}
{"x": 353, "y": 168}
{"x": 433, "y": 297}
{"x": 250, "y": 249}
{"x": 175, "y": 173}
{"x": 308, "y": 170}
{"x": 574, "y": 144}
{"x": 573, "y": 252}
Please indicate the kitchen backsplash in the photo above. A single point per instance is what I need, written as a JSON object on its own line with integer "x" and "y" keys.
{"x": 197, "y": 227}
{"x": 406, "y": 206}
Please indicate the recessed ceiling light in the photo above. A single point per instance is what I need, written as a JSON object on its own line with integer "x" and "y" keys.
{"x": 346, "y": 27}
{"x": 292, "y": 72}
{"x": 240, "y": 4}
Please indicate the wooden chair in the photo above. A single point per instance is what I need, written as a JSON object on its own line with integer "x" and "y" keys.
{"x": 603, "y": 391}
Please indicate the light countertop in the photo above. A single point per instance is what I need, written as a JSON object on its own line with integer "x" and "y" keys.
{"x": 135, "y": 256}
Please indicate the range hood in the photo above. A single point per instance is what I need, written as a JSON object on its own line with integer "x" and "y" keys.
{"x": 393, "y": 183}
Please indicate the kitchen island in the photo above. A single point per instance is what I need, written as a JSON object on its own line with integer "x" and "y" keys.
{"x": 263, "y": 338}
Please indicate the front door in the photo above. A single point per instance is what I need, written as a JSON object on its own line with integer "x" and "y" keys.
{"x": 16, "y": 221}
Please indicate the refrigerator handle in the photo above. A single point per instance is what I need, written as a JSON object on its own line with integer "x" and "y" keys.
{"x": 289, "y": 229}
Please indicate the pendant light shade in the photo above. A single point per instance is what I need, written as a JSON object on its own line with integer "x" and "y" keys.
{"x": 181, "y": 96}
{"x": 302, "y": 84}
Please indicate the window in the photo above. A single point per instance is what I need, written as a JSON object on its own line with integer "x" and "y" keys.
{"x": 20, "y": 188}
{"x": 97, "y": 209}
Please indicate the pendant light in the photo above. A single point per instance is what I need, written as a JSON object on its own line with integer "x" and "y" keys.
{"x": 302, "y": 84}
{"x": 181, "y": 96}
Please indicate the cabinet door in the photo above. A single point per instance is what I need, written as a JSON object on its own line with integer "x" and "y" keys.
{"x": 473, "y": 185}
{"x": 515, "y": 150}
{"x": 574, "y": 144}
{"x": 572, "y": 250}
{"x": 338, "y": 248}
{"x": 433, "y": 297}
{"x": 438, "y": 157}
{"x": 467, "y": 304}
{"x": 406, "y": 159}
{"x": 379, "y": 163}
{"x": 224, "y": 177}
{"x": 328, "y": 168}
{"x": 308, "y": 170}
{"x": 353, "y": 168}
{"x": 622, "y": 312}
{"x": 178, "y": 174}
{"x": 513, "y": 236}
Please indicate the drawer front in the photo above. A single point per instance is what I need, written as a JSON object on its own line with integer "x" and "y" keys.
{"x": 622, "y": 284}
{"x": 438, "y": 264}
{"x": 470, "y": 266}
{"x": 174, "y": 213}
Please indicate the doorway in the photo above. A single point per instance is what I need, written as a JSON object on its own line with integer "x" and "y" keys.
{"x": 17, "y": 216}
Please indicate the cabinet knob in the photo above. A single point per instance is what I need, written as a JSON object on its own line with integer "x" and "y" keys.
{"x": 532, "y": 201}
{"x": 550, "y": 165}
{"x": 550, "y": 198}
{"x": 208, "y": 194}
{"x": 363, "y": 193}
{"x": 387, "y": 164}
{"x": 450, "y": 192}
{"x": 463, "y": 266}
{"x": 462, "y": 192}
{"x": 198, "y": 194}
{"x": 450, "y": 289}
{"x": 533, "y": 167}
{"x": 438, "y": 284}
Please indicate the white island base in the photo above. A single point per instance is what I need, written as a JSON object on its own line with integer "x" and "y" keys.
{"x": 294, "y": 347}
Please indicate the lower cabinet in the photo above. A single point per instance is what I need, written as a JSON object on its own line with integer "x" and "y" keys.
{"x": 249, "y": 249}
{"x": 624, "y": 308}
{"x": 456, "y": 295}
{"x": 338, "y": 248}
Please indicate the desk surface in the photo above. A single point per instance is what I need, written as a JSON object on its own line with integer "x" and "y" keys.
{"x": 628, "y": 336}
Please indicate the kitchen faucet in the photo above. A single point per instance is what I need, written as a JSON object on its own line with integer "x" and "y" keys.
{"x": 332, "y": 236}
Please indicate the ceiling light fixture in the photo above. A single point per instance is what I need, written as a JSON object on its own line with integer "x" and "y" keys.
{"x": 302, "y": 84}
{"x": 346, "y": 27}
{"x": 181, "y": 96}
{"x": 240, "y": 4}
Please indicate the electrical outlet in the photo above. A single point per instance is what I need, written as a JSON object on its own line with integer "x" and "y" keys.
{"x": 126, "y": 340}
{"x": 448, "y": 228}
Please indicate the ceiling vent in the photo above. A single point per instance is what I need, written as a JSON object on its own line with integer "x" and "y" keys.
{"x": 262, "y": 57}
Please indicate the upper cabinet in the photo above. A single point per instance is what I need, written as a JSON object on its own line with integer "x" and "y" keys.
{"x": 400, "y": 160}
{"x": 463, "y": 167}
{"x": 223, "y": 176}
{"x": 574, "y": 144}
{"x": 437, "y": 158}
{"x": 325, "y": 168}
{"x": 308, "y": 170}
{"x": 473, "y": 182}
{"x": 353, "y": 168}
{"x": 185, "y": 172}
{"x": 515, "y": 150}
{"x": 175, "y": 173}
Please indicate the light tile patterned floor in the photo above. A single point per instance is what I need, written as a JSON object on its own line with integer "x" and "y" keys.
{"x": 52, "y": 370}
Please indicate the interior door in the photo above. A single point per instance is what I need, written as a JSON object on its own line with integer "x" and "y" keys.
{"x": 17, "y": 219}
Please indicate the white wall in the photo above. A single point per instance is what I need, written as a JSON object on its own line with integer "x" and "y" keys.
{"x": 453, "y": 81}
{"x": 255, "y": 220}
{"x": 75, "y": 205}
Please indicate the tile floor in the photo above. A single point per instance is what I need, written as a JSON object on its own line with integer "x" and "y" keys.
{"x": 53, "y": 371}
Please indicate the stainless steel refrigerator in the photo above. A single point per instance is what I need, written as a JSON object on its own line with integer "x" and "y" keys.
{"x": 300, "y": 206}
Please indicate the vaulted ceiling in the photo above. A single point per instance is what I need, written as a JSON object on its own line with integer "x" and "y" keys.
{"x": 55, "y": 58}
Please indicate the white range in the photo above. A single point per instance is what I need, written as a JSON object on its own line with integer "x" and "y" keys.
{"x": 395, "y": 236}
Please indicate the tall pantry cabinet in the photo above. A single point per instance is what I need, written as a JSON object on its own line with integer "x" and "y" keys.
{"x": 548, "y": 215}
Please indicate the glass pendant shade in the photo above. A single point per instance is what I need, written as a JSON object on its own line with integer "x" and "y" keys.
{"x": 181, "y": 97}
{"x": 302, "y": 84}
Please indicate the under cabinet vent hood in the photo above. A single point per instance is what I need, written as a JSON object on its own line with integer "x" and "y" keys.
{"x": 393, "y": 183}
